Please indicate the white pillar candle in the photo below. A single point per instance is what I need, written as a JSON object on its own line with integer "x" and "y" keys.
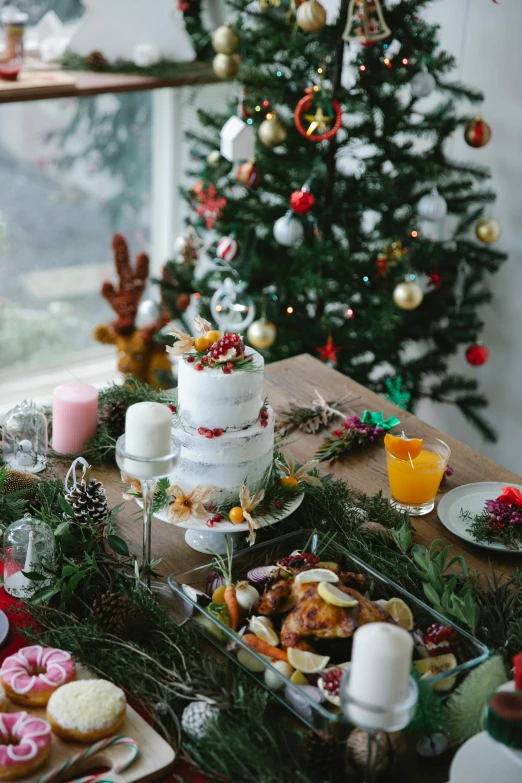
{"x": 148, "y": 435}
{"x": 379, "y": 674}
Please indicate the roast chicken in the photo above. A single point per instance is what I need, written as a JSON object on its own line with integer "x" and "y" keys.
{"x": 310, "y": 617}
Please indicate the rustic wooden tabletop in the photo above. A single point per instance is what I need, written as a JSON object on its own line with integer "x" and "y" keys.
{"x": 296, "y": 380}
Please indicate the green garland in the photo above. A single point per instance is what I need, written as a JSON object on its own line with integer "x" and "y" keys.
{"x": 189, "y": 73}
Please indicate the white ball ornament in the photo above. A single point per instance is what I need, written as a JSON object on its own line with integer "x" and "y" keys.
{"x": 228, "y": 248}
{"x": 145, "y": 55}
{"x": 288, "y": 231}
{"x": 422, "y": 84}
{"x": 432, "y": 206}
{"x": 196, "y": 718}
{"x": 148, "y": 313}
{"x": 408, "y": 295}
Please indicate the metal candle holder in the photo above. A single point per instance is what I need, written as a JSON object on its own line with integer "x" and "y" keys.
{"x": 148, "y": 471}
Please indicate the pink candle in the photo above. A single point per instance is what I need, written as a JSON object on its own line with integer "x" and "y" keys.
{"x": 75, "y": 416}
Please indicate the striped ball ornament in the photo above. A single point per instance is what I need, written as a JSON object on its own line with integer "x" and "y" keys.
{"x": 228, "y": 248}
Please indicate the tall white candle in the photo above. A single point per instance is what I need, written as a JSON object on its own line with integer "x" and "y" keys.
{"x": 148, "y": 435}
{"x": 379, "y": 674}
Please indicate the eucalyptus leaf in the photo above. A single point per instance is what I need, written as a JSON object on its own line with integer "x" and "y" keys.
{"x": 117, "y": 544}
{"x": 62, "y": 528}
{"x": 66, "y": 506}
{"x": 45, "y": 594}
{"x": 34, "y": 576}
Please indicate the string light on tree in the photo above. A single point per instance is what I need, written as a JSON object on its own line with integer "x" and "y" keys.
{"x": 432, "y": 206}
{"x": 272, "y": 132}
{"x": 477, "y": 355}
{"x": 488, "y": 230}
{"x": 477, "y": 133}
{"x": 288, "y": 231}
{"x": 311, "y": 16}
{"x": 408, "y": 295}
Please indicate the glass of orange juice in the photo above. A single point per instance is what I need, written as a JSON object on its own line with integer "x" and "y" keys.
{"x": 415, "y": 482}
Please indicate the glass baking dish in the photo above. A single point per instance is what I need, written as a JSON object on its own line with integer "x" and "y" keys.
{"x": 319, "y": 716}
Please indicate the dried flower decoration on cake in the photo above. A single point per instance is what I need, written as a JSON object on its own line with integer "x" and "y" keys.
{"x": 185, "y": 342}
{"x": 248, "y": 504}
{"x": 501, "y": 520}
{"x": 293, "y": 477}
{"x": 189, "y": 505}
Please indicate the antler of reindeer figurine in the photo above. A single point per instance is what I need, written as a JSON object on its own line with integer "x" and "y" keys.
{"x": 138, "y": 353}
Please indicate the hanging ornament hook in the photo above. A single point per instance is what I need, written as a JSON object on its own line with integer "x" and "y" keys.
{"x": 71, "y": 473}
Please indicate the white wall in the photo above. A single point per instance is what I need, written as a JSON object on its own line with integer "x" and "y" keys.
{"x": 485, "y": 39}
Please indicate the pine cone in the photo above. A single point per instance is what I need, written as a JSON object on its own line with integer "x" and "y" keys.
{"x": 89, "y": 502}
{"x": 319, "y": 755}
{"x": 18, "y": 481}
{"x": 114, "y": 612}
{"x": 113, "y": 416}
{"x": 96, "y": 61}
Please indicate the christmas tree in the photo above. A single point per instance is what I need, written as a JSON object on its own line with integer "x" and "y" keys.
{"x": 344, "y": 139}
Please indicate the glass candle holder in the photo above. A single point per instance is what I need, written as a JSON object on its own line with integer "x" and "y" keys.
{"x": 377, "y": 719}
{"x": 24, "y": 440}
{"x": 148, "y": 471}
{"x": 13, "y": 23}
{"x": 28, "y": 547}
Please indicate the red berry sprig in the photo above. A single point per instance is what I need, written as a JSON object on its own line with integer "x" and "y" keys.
{"x": 220, "y": 349}
{"x": 215, "y": 433}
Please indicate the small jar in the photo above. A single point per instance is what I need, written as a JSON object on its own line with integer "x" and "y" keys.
{"x": 25, "y": 441}
{"x": 13, "y": 23}
{"x": 28, "y": 547}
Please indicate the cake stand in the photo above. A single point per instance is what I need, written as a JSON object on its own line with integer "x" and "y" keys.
{"x": 202, "y": 538}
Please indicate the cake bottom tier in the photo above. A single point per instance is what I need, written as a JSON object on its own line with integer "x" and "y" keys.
{"x": 226, "y": 461}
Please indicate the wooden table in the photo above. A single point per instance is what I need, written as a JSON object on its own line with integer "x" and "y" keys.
{"x": 296, "y": 380}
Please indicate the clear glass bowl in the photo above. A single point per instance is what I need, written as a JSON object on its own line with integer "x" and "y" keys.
{"x": 323, "y": 716}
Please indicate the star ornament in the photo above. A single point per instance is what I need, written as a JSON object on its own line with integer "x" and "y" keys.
{"x": 319, "y": 121}
{"x": 327, "y": 353}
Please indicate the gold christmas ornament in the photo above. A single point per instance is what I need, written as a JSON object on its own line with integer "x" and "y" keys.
{"x": 226, "y": 40}
{"x": 261, "y": 334}
{"x": 225, "y": 66}
{"x": 408, "y": 295}
{"x": 272, "y": 132}
{"x": 477, "y": 133}
{"x": 488, "y": 230}
{"x": 311, "y": 16}
{"x": 365, "y": 22}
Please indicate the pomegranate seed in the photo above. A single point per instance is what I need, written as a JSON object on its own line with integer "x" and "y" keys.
{"x": 190, "y": 359}
{"x": 278, "y": 504}
{"x": 263, "y": 423}
{"x": 209, "y": 434}
{"x": 210, "y": 523}
{"x": 217, "y": 432}
{"x": 227, "y": 370}
{"x": 219, "y": 517}
{"x": 173, "y": 408}
{"x": 198, "y": 366}
{"x": 202, "y": 430}
{"x": 264, "y": 413}
{"x": 204, "y": 359}
{"x": 230, "y": 365}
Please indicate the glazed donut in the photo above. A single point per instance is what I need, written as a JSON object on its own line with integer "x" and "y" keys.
{"x": 32, "y": 674}
{"x": 25, "y": 742}
{"x": 86, "y": 710}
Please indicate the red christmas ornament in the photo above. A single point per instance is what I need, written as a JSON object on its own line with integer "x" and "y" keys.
{"x": 228, "y": 248}
{"x": 248, "y": 175}
{"x": 210, "y": 205}
{"x": 435, "y": 279}
{"x": 477, "y": 133}
{"x": 477, "y": 355}
{"x": 328, "y": 351}
{"x": 302, "y": 201}
{"x": 321, "y": 125}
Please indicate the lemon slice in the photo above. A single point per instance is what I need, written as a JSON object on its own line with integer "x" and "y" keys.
{"x": 383, "y": 603}
{"x": 401, "y": 613}
{"x": 333, "y": 595}
{"x": 264, "y": 631}
{"x": 298, "y": 678}
{"x": 306, "y": 662}
{"x": 316, "y": 575}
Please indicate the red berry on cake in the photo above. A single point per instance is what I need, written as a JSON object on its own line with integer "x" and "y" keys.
{"x": 190, "y": 359}
{"x": 173, "y": 408}
{"x": 202, "y": 430}
{"x": 217, "y": 432}
{"x": 263, "y": 423}
{"x": 198, "y": 366}
{"x": 204, "y": 359}
{"x": 440, "y": 638}
{"x": 209, "y": 434}
{"x": 264, "y": 413}
{"x": 227, "y": 370}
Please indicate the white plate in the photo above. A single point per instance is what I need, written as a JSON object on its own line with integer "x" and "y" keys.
{"x": 472, "y": 498}
{"x": 482, "y": 760}
{"x": 4, "y": 627}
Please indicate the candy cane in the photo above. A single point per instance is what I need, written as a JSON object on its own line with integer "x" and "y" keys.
{"x": 91, "y": 751}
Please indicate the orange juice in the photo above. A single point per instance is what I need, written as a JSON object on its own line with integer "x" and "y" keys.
{"x": 414, "y": 483}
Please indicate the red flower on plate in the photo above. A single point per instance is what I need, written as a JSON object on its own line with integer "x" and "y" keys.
{"x": 511, "y": 497}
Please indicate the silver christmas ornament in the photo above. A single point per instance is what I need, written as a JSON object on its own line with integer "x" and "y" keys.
{"x": 148, "y": 313}
{"x": 288, "y": 231}
{"x": 231, "y": 308}
{"x": 422, "y": 84}
{"x": 196, "y": 718}
{"x": 432, "y": 206}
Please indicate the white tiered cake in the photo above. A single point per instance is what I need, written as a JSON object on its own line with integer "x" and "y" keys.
{"x": 225, "y": 430}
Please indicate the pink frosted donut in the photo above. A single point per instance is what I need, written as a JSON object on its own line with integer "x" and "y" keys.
{"x": 32, "y": 674}
{"x": 25, "y": 744}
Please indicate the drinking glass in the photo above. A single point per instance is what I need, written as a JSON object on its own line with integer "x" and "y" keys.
{"x": 415, "y": 482}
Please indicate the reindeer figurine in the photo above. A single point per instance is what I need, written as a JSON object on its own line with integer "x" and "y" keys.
{"x": 138, "y": 353}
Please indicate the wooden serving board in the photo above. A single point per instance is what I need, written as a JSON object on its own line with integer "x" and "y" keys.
{"x": 155, "y": 758}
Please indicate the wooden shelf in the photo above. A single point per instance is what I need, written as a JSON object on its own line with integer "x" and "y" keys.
{"x": 92, "y": 83}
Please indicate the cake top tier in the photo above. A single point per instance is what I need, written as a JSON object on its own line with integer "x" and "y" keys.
{"x": 219, "y": 379}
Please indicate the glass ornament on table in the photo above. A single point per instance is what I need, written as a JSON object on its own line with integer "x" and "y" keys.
{"x": 148, "y": 471}
{"x": 28, "y": 549}
{"x": 25, "y": 438}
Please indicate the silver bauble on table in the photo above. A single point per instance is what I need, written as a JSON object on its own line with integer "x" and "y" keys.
{"x": 422, "y": 84}
{"x": 408, "y": 295}
{"x": 432, "y": 206}
{"x": 261, "y": 334}
{"x": 288, "y": 231}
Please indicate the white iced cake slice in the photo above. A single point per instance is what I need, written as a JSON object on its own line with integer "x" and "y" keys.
{"x": 225, "y": 430}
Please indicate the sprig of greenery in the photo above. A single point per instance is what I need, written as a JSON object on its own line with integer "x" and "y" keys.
{"x": 307, "y": 419}
{"x": 481, "y": 528}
